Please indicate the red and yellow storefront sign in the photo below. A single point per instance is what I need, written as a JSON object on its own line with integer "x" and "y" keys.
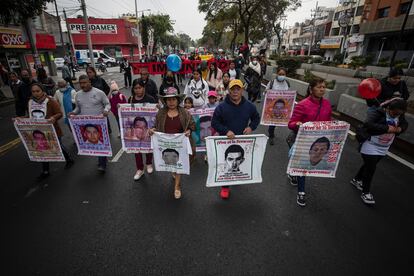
{"x": 12, "y": 38}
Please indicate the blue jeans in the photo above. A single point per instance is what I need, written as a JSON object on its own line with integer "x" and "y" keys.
{"x": 102, "y": 160}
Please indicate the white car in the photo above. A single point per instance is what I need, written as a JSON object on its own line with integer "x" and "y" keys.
{"x": 59, "y": 62}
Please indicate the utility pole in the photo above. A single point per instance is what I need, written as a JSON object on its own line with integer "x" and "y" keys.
{"x": 351, "y": 30}
{"x": 400, "y": 38}
{"x": 88, "y": 33}
{"x": 32, "y": 40}
{"x": 315, "y": 13}
{"x": 60, "y": 29}
{"x": 72, "y": 46}
{"x": 138, "y": 34}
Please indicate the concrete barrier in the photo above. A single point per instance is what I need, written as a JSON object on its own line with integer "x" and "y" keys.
{"x": 330, "y": 70}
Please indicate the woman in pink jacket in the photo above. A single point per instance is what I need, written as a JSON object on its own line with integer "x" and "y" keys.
{"x": 311, "y": 109}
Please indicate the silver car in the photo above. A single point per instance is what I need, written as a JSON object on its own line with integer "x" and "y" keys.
{"x": 59, "y": 62}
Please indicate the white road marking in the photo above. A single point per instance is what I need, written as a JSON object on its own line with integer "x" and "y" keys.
{"x": 117, "y": 156}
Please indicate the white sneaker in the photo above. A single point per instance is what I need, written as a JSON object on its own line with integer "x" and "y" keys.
{"x": 138, "y": 174}
{"x": 150, "y": 169}
{"x": 368, "y": 198}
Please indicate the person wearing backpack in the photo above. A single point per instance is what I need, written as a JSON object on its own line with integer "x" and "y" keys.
{"x": 278, "y": 83}
{"x": 379, "y": 130}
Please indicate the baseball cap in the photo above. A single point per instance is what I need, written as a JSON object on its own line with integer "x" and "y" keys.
{"x": 234, "y": 83}
{"x": 212, "y": 93}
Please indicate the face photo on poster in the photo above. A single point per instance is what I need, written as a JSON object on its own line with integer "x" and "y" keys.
{"x": 318, "y": 148}
{"x": 136, "y": 121}
{"x": 278, "y": 107}
{"x": 202, "y": 119}
{"x": 40, "y": 140}
{"x": 91, "y": 135}
{"x": 235, "y": 161}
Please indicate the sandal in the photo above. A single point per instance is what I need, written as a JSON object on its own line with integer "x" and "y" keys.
{"x": 177, "y": 194}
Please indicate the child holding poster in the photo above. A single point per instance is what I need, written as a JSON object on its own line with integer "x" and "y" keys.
{"x": 140, "y": 129}
{"x": 41, "y": 106}
{"x": 382, "y": 125}
{"x": 173, "y": 119}
{"x": 313, "y": 108}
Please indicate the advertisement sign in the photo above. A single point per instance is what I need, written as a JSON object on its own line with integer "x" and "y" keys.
{"x": 94, "y": 28}
{"x": 330, "y": 43}
{"x": 12, "y": 38}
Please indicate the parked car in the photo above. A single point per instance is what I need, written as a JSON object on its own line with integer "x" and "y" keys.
{"x": 59, "y": 62}
{"x": 83, "y": 58}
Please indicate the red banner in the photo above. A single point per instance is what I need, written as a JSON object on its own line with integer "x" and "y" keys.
{"x": 187, "y": 67}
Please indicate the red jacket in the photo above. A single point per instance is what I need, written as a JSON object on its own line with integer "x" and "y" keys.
{"x": 307, "y": 111}
{"x": 115, "y": 100}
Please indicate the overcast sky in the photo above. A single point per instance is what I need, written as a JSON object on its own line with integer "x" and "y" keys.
{"x": 184, "y": 12}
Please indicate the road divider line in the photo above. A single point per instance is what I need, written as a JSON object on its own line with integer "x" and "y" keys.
{"x": 117, "y": 156}
{"x": 9, "y": 146}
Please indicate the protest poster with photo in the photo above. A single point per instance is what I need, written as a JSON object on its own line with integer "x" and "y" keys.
{"x": 202, "y": 118}
{"x": 135, "y": 121}
{"x": 171, "y": 152}
{"x": 40, "y": 140}
{"x": 318, "y": 148}
{"x": 278, "y": 107}
{"x": 235, "y": 161}
{"x": 91, "y": 135}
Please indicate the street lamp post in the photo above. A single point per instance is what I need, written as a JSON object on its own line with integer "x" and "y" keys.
{"x": 138, "y": 33}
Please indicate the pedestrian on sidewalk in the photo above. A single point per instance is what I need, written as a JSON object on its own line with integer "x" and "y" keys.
{"x": 66, "y": 74}
{"x": 391, "y": 87}
{"x": 252, "y": 77}
{"x": 139, "y": 96}
{"x": 92, "y": 101}
{"x": 313, "y": 108}
{"x": 126, "y": 67}
{"x": 24, "y": 93}
{"x": 234, "y": 116}
{"x": 381, "y": 125}
{"x": 168, "y": 81}
{"x": 116, "y": 98}
{"x": 150, "y": 85}
{"x": 47, "y": 82}
{"x": 173, "y": 118}
{"x": 50, "y": 111}
{"x": 100, "y": 84}
{"x": 65, "y": 96}
{"x": 197, "y": 89}
{"x": 278, "y": 83}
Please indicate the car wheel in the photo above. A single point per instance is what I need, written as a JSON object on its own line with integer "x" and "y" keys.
{"x": 108, "y": 64}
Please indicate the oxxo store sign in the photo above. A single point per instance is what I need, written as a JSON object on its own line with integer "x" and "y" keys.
{"x": 94, "y": 28}
{"x": 11, "y": 38}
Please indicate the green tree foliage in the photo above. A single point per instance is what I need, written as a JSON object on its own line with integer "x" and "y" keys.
{"x": 160, "y": 24}
{"x": 18, "y": 11}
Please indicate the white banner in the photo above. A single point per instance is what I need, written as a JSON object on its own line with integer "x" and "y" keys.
{"x": 171, "y": 152}
{"x": 235, "y": 161}
{"x": 317, "y": 149}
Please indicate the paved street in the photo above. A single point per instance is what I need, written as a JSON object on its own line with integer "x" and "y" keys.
{"x": 84, "y": 223}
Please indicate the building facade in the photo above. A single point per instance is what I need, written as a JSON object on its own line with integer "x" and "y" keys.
{"x": 115, "y": 36}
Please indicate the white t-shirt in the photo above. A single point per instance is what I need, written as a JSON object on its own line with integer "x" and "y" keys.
{"x": 232, "y": 74}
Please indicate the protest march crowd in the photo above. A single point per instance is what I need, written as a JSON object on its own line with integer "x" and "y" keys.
{"x": 167, "y": 128}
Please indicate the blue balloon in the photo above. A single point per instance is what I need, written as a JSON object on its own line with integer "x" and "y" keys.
{"x": 174, "y": 63}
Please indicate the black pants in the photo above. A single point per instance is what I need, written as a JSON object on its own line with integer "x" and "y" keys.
{"x": 271, "y": 131}
{"x": 253, "y": 94}
{"x": 367, "y": 170}
{"x": 127, "y": 79}
{"x": 45, "y": 165}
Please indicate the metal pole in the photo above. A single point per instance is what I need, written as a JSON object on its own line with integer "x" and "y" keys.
{"x": 313, "y": 28}
{"x": 60, "y": 29}
{"x": 350, "y": 31}
{"x": 138, "y": 36}
{"x": 72, "y": 46}
{"x": 88, "y": 33}
{"x": 382, "y": 46}
{"x": 401, "y": 34}
{"x": 32, "y": 40}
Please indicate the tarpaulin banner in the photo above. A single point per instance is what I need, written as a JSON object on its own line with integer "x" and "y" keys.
{"x": 278, "y": 107}
{"x": 91, "y": 135}
{"x": 318, "y": 148}
{"x": 40, "y": 140}
{"x": 187, "y": 67}
{"x": 135, "y": 121}
{"x": 235, "y": 161}
{"x": 202, "y": 118}
{"x": 171, "y": 152}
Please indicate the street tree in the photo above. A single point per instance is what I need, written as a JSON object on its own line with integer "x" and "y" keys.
{"x": 22, "y": 12}
{"x": 160, "y": 24}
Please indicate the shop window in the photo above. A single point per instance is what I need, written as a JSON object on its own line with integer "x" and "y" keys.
{"x": 336, "y": 16}
{"x": 404, "y": 7}
{"x": 360, "y": 11}
{"x": 355, "y": 29}
{"x": 335, "y": 31}
{"x": 384, "y": 12}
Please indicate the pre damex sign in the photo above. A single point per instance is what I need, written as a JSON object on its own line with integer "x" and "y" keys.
{"x": 94, "y": 28}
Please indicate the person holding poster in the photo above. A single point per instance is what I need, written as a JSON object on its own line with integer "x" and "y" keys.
{"x": 278, "y": 110}
{"x": 41, "y": 103}
{"x": 313, "y": 108}
{"x": 382, "y": 125}
{"x": 173, "y": 119}
{"x": 91, "y": 101}
{"x": 140, "y": 129}
{"x": 234, "y": 116}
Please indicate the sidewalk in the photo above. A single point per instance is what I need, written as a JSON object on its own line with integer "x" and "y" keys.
{"x": 330, "y": 77}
